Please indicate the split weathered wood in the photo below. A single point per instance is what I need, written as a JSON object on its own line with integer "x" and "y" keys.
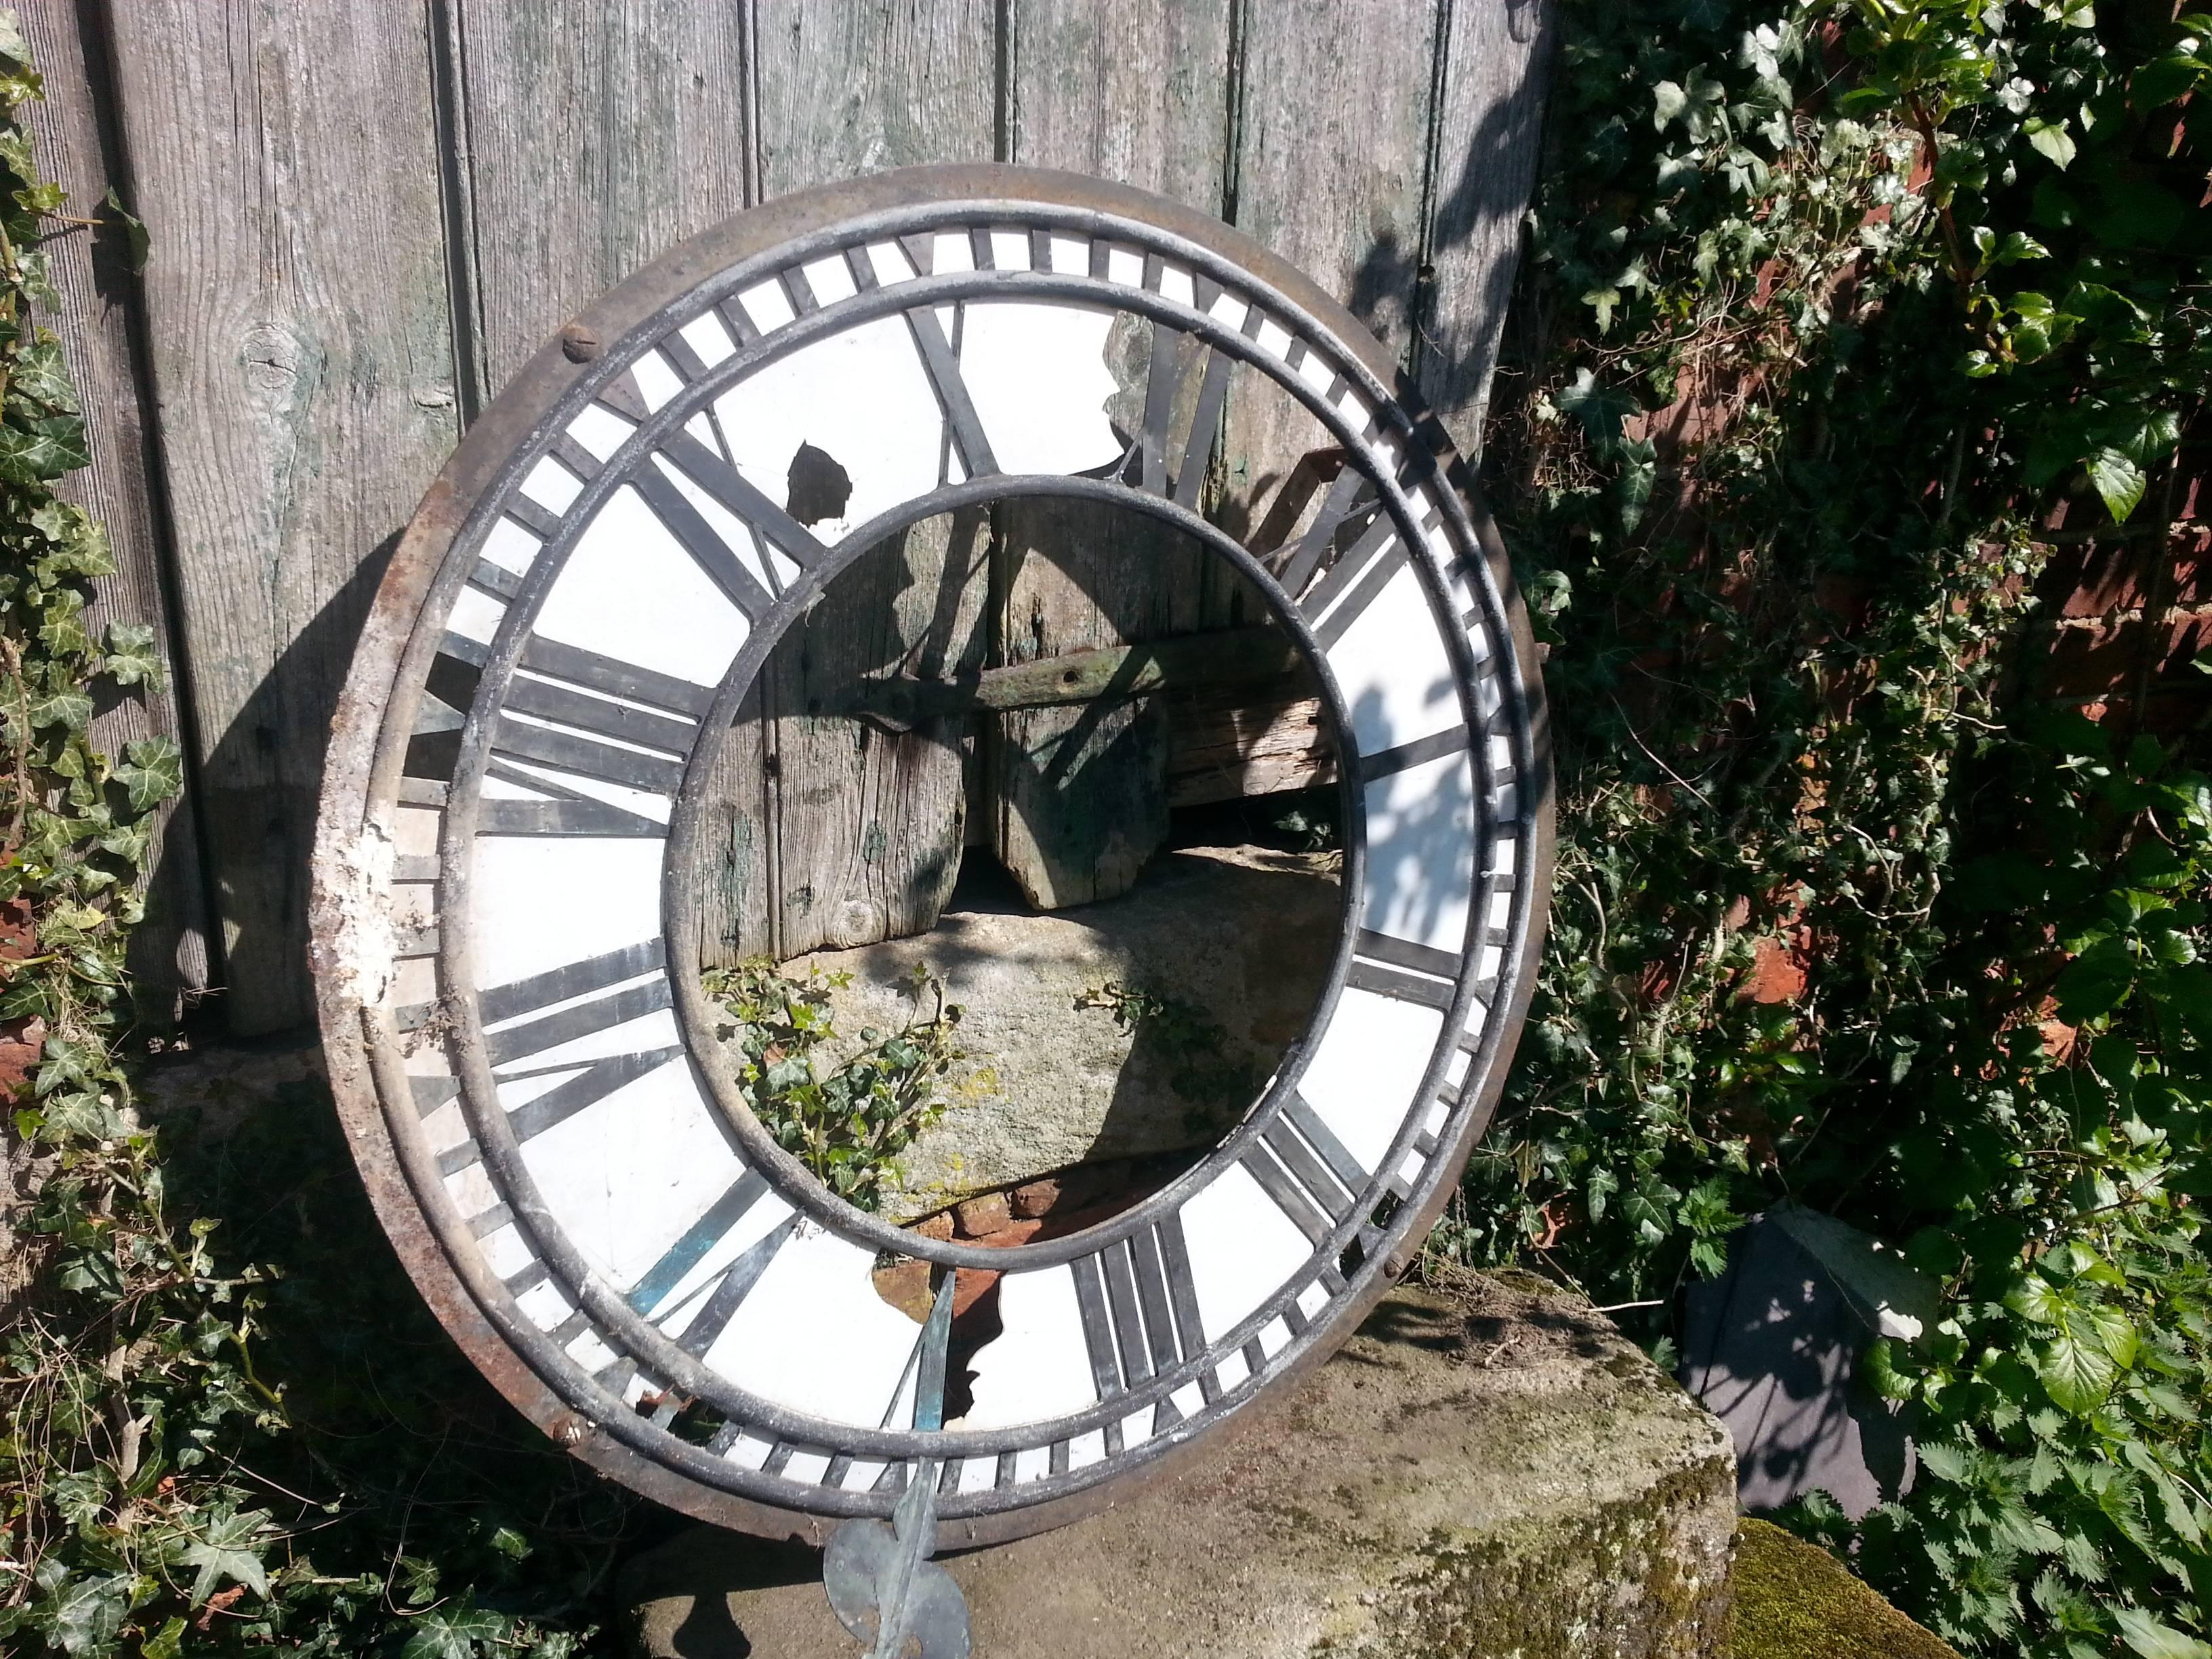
{"x": 862, "y": 829}
{"x": 1076, "y": 799}
{"x": 1489, "y": 130}
{"x": 1231, "y": 742}
{"x": 285, "y": 164}
{"x": 99, "y": 326}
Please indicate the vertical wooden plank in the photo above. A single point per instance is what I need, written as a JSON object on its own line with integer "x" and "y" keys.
{"x": 1490, "y": 122}
{"x": 595, "y": 134}
{"x": 301, "y": 355}
{"x": 1334, "y": 104}
{"x": 845, "y": 89}
{"x": 588, "y": 139}
{"x": 99, "y": 327}
{"x": 864, "y": 826}
{"x": 870, "y": 818}
{"x": 1135, "y": 91}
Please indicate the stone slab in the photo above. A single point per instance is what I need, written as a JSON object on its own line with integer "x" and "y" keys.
{"x": 1239, "y": 937}
{"x": 1488, "y": 1470}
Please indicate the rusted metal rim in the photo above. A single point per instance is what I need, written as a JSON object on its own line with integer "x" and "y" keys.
{"x": 533, "y": 407}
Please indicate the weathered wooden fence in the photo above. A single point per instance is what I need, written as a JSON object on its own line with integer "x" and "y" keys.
{"x": 365, "y": 216}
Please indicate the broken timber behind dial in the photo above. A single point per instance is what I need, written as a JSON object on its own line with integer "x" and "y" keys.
{"x": 554, "y": 683}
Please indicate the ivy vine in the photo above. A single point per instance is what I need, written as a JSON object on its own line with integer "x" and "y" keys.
{"x": 201, "y": 1452}
{"x": 1839, "y": 310}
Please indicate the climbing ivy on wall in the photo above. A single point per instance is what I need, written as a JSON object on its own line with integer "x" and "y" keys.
{"x": 1837, "y": 310}
{"x": 198, "y": 1453}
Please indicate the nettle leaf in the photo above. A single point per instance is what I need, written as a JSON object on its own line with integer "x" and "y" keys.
{"x": 2153, "y": 1639}
{"x": 2078, "y": 1375}
{"x": 1946, "y": 1461}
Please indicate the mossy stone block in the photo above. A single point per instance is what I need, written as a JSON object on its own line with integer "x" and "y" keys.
{"x": 1794, "y": 1600}
{"x": 1491, "y": 1471}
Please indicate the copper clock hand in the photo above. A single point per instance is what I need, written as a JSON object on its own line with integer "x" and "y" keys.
{"x": 872, "y": 1568}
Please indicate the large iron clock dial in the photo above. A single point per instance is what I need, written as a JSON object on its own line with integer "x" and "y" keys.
{"x": 506, "y": 931}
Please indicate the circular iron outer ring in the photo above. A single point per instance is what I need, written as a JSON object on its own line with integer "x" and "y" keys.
{"x": 354, "y": 1034}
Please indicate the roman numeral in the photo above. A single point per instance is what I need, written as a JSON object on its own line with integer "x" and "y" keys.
{"x": 938, "y": 361}
{"x": 557, "y": 687}
{"x": 599, "y": 974}
{"x": 1352, "y": 494}
{"x": 1210, "y": 369}
{"x": 598, "y": 1079}
{"x": 1354, "y": 581}
{"x": 567, "y": 814}
{"x": 691, "y": 531}
{"x": 433, "y": 746}
{"x": 714, "y": 475}
{"x": 729, "y": 488}
{"x": 1313, "y": 1179}
{"x": 944, "y": 370}
{"x": 735, "y": 1282}
{"x": 1401, "y": 969}
{"x": 1139, "y": 1313}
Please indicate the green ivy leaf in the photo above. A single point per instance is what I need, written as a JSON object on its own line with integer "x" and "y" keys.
{"x": 1601, "y": 409}
{"x": 84, "y": 1616}
{"x": 453, "y": 1632}
{"x": 41, "y": 448}
{"x": 152, "y": 771}
{"x": 224, "y": 1551}
{"x": 70, "y": 710}
{"x": 2050, "y": 140}
{"x": 134, "y": 234}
